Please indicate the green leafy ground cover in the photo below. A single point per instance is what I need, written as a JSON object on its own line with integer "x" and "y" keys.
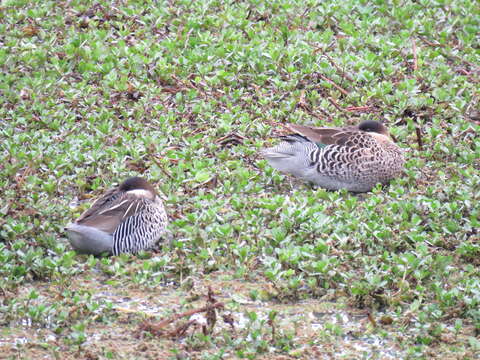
{"x": 185, "y": 94}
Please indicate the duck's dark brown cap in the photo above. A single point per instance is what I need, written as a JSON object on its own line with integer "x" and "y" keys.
{"x": 136, "y": 183}
{"x": 373, "y": 126}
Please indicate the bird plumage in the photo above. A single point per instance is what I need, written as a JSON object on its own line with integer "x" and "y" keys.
{"x": 355, "y": 158}
{"x": 126, "y": 219}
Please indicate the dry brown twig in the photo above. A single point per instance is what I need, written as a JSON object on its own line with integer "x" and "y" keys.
{"x": 228, "y": 319}
{"x": 414, "y": 51}
{"x": 182, "y": 329}
{"x": 158, "y": 329}
{"x": 338, "y": 87}
{"x": 340, "y": 70}
{"x": 365, "y": 108}
{"x": 451, "y": 57}
{"x": 272, "y": 325}
{"x": 372, "y": 319}
{"x": 211, "y": 316}
{"x": 151, "y": 155}
{"x": 418, "y": 131}
{"x": 334, "y": 103}
{"x": 302, "y": 104}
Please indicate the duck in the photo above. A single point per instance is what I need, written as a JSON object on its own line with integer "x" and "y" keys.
{"x": 355, "y": 158}
{"x": 126, "y": 219}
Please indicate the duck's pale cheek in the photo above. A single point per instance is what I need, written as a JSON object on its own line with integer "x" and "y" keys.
{"x": 140, "y": 193}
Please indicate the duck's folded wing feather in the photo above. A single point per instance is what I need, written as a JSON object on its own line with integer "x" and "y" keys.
{"x": 106, "y": 214}
{"x": 99, "y": 204}
{"x": 325, "y": 136}
{"x": 347, "y": 136}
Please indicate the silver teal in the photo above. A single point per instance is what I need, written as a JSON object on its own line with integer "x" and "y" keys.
{"x": 126, "y": 219}
{"x": 355, "y": 158}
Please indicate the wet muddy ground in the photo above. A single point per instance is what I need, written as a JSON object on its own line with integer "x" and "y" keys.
{"x": 320, "y": 329}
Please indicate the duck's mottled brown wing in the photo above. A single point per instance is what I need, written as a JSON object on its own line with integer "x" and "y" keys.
{"x": 99, "y": 204}
{"x": 108, "y": 212}
{"x": 325, "y": 136}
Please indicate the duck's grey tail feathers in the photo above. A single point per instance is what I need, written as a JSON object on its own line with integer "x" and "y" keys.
{"x": 293, "y": 155}
{"x": 89, "y": 240}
